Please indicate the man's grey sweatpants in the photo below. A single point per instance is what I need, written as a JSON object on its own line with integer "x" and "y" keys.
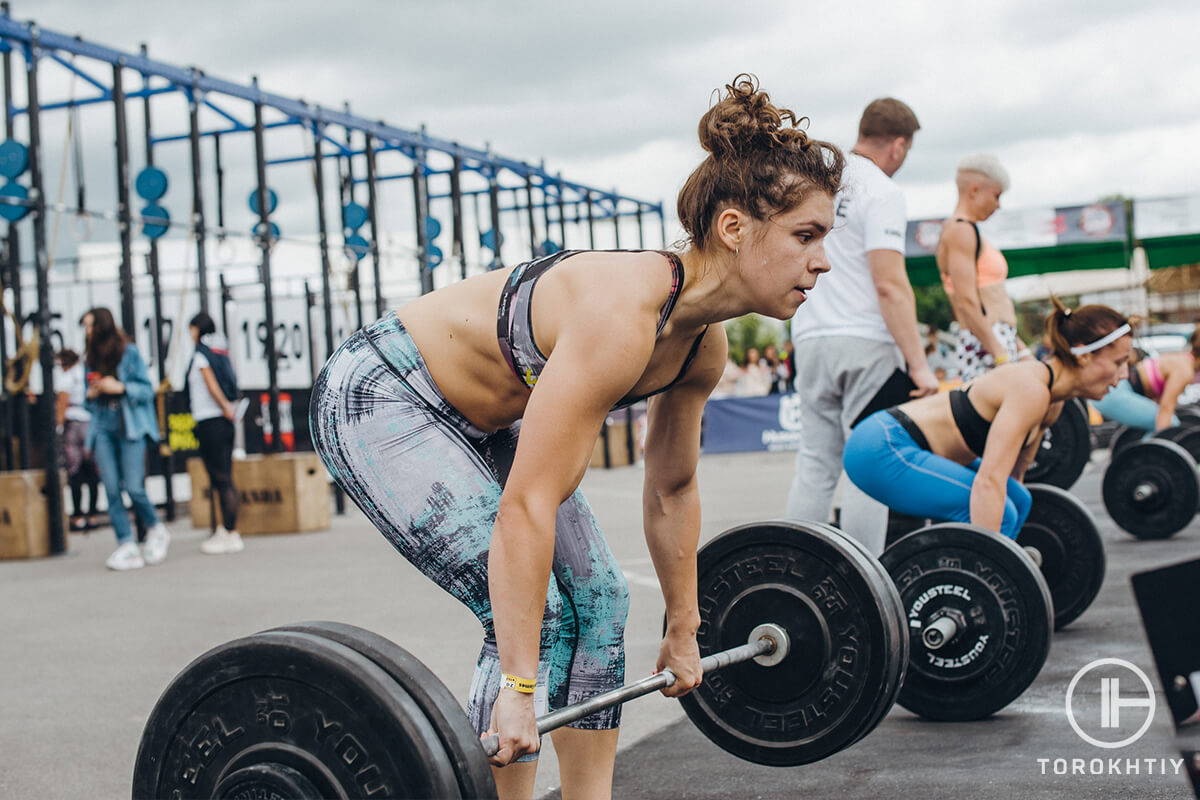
{"x": 836, "y": 376}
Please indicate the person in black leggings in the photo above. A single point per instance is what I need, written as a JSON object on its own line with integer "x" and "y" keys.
{"x": 214, "y": 413}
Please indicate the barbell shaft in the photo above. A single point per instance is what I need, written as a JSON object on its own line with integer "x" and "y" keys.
{"x": 652, "y": 683}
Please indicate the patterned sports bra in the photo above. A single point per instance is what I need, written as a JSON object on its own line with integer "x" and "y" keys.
{"x": 514, "y": 320}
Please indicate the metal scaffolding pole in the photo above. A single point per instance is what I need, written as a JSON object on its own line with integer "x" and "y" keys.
{"x": 264, "y": 244}
{"x": 49, "y": 432}
{"x": 166, "y": 456}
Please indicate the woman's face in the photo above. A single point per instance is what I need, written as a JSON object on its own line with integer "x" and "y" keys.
{"x": 1104, "y": 369}
{"x": 195, "y": 333}
{"x": 770, "y": 352}
{"x": 87, "y": 322}
{"x": 752, "y": 355}
{"x": 784, "y": 255}
{"x": 987, "y": 198}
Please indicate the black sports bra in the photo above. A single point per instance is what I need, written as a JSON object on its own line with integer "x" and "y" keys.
{"x": 971, "y": 424}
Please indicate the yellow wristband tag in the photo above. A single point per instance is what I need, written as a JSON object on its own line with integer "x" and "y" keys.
{"x": 521, "y": 685}
{"x": 1003, "y": 358}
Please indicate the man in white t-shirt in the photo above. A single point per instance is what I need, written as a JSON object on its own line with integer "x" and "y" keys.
{"x": 859, "y": 325}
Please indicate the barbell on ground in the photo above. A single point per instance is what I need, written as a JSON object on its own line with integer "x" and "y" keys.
{"x": 802, "y": 639}
{"x": 1151, "y": 488}
{"x": 1062, "y": 540}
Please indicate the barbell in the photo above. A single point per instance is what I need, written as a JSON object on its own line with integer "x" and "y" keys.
{"x": 802, "y": 640}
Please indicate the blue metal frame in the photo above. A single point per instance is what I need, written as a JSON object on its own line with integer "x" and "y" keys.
{"x": 37, "y": 41}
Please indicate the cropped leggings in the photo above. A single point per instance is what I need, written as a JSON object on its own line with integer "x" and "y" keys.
{"x": 888, "y": 462}
{"x": 431, "y": 483}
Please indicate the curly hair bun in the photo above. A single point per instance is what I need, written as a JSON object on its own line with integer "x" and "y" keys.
{"x": 745, "y": 119}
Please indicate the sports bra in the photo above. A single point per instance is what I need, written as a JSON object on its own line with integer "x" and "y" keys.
{"x": 971, "y": 424}
{"x": 514, "y": 320}
{"x": 1154, "y": 378}
{"x": 991, "y": 267}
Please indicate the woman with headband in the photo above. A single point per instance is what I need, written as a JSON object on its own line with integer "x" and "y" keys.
{"x": 960, "y": 456}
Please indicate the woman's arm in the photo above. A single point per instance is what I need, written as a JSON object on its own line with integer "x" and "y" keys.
{"x": 960, "y": 242}
{"x": 1176, "y": 380}
{"x": 214, "y": 389}
{"x": 603, "y": 338}
{"x": 1028, "y": 453}
{"x": 671, "y": 504}
{"x": 1023, "y": 405}
{"x": 134, "y": 379}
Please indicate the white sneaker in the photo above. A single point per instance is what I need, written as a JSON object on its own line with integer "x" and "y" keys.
{"x": 158, "y": 539}
{"x": 222, "y": 542}
{"x": 126, "y": 556}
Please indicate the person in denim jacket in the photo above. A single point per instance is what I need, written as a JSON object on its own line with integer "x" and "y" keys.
{"x": 120, "y": 399}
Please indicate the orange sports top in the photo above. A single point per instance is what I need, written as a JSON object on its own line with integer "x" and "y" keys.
{"x": 991, "y": 267}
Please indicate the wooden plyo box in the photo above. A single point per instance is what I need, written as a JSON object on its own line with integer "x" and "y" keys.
{"x": 24, "y": 516}
{"x": 279, "y": 492}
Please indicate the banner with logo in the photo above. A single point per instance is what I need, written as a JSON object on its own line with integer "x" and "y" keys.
{"x": 1031, "y": 227}
{"x": 742, "y": 424}
{"x": 1169, "y": 230}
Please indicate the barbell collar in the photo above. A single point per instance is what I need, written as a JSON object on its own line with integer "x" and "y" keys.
{"x": 765, "y": 644}
{"x": 940, "y": 631}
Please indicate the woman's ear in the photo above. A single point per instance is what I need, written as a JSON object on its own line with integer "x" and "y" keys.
{"x": 731, "y": 228}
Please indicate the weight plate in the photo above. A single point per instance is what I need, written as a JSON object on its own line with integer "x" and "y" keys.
{"x": 1064, "y": 533}
{"x": 156, "y": 221}
{"x": 273, "y": 228}
{"x": 433, "y": 228}
{"x": 898, "y": 634}
{"x": 150, "y": 184}
{"x": 1186, "y": 436}
{"x": 435, "y": 256}
{"x": 832, "y": 604}
{"x": 1065, "y": 449}
{"x": 356, "y": 246}
{"x": 1151, "y": 490}
{"x": 354, "y": 216}
{"x": 549, "y": 247}
{"x": 14, "y": 158}
{"x": 1123, "y": 438}
{"x": 272, "y": 201}
{"x": 459, "y": 739}
{"x": 901, "y": 525}
{"x": 14, "y": 211}
{"x": 262, "y": 710}
{"x": 1189, "y": 415}
{"x": 1000, "y": 608}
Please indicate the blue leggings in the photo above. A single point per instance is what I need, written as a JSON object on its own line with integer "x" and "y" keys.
{"x": 431, "y": 483}
{"x": 885, "y": 461}
{"x": 1129, "y": 408}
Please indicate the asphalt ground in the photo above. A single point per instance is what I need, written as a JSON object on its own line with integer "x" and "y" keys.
{"x": 85, "y": 653}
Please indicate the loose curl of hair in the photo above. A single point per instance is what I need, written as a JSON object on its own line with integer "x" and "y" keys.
{"x": 760, "y": 160}
{"x": 1086, "y": 324}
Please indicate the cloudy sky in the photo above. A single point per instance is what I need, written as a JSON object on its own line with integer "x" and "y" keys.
{"x": 1079, "y": 99}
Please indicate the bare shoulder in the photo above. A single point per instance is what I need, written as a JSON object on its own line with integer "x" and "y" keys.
{"x": 635, "y": 278}
{"x": 1025, "y": 381}
{"x": 957, "y": 235}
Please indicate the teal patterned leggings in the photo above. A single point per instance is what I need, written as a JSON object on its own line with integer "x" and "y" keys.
{"x": 431, "y": 483}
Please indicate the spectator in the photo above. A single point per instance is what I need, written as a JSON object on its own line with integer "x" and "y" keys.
{"x": 756, "y": 375}
{"x": 72, "y": 420}
{"x": 120, "y": 399}
{"x": 211, "y": 390}
{"x": 789, "y": 360}
{"x": 778, "y": 368}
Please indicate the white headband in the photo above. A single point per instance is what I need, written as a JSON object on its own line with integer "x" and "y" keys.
{"x": 1103, "y": 341}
